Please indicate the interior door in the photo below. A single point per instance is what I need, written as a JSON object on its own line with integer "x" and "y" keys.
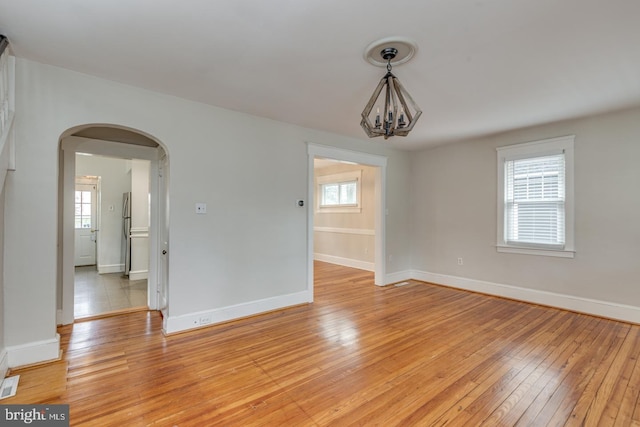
{"x": 86, "y": 235}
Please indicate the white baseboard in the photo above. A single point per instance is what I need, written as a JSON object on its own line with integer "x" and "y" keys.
{"x": 610, "y": 310}
{"x": 34, "y": 352}
{"x": 138, "y": 275}
{"x": 4, "y": 363}
{"x": 347, "y": 262}
{"x": 110, "y": 268}
{"x": 199, "y": 319}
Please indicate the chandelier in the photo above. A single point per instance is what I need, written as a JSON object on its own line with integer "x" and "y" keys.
{"x": 391, "y": 111}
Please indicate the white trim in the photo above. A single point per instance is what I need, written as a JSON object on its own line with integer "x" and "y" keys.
{"x": 338, "y": 209}
{"x": 34, "y": 352}
{"x": 138, "y": 275}
{"x": 534, "y": 251}
{"x": 359, "y": 231}
{"x": 69, "y": 146}
{"x": 110, "y": 268}
{"x": 4, "y": 363}
{"x": 347, "y": 262}
{"x": 185, "y": 322}
{"x": 564, "y": 144}
{"x": 4, "y": 136}
{"x": 532, "y": 148}
{"x": 79, "y": 144}
{"x": 610, "y": 310}
{"x": 315, "y": 150}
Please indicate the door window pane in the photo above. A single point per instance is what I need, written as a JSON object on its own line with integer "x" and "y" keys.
{"x": 83, "y": 209}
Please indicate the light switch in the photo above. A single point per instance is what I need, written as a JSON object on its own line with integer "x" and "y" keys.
{"x": 201, "y": 208}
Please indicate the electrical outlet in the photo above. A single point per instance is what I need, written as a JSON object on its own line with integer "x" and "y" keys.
{"x": 205, "y": 319}
{"x": 460, "y": 261}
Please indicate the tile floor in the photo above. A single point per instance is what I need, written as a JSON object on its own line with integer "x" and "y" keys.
{"x": 97, "y": 294}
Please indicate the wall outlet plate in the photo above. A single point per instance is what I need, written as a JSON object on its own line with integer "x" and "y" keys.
{"x": 201, "y": 208}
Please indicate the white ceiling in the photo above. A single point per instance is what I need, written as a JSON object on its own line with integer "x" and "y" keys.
{"x": 482, "y": 66}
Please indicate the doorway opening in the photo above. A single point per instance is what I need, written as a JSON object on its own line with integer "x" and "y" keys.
{"x": 346, "y": 210}
{"x": 125, "y": 273}
{"x": 105, "y": 240}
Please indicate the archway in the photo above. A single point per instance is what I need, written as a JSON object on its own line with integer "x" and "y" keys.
{"x": 118, "y": 142}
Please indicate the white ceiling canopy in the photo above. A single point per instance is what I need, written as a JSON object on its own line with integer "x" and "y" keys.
{"x": 481, "y": 67}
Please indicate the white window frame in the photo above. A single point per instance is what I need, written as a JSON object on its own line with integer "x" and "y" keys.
{"x": 534, "y": 149}
{"x": 340, "y": 178}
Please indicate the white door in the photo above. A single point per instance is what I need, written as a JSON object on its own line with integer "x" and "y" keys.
{"x": 86, "y": 235}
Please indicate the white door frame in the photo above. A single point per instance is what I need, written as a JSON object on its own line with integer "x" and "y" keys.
{"x": 69, "y": 147}
{"x": 313, "y": 151}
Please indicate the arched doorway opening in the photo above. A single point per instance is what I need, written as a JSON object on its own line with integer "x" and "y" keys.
{"x": 115, "y": 142}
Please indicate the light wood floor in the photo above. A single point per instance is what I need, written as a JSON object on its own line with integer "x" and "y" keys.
{"x": 360, "y": 355}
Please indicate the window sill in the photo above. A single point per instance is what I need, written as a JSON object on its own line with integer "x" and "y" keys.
{"x": 337, "y": 209}
{"x": 559, "y": 253}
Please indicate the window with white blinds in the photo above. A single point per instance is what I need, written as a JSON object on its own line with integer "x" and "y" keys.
{"x": 535, "y": 197}
{"x": 534, "y": 202}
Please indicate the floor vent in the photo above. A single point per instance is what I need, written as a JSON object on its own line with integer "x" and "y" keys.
{"x": 401, "y": 284}
{"x": 9, "y": 387}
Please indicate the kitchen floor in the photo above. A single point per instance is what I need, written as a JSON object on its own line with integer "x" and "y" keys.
{"x": 98, "y": 294}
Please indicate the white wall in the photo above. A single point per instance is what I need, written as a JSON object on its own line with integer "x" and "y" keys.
{"x": 4, "y": 361}
{"x": 248, "y": 170}
{"x": 454, "y": 215}
{"x": 115, "y": 180}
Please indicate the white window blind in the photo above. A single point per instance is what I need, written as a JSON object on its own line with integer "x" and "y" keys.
{"x": 535, "y": 201}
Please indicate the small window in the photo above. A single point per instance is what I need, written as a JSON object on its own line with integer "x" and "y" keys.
{"x": 535, "y": 203}
{"x": 339, "y": 192}
{"x": 83, "y": 209}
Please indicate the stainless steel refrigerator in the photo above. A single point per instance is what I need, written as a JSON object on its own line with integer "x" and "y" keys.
{"x": 126, "y": 231}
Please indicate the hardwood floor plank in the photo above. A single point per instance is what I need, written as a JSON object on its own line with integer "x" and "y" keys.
{"x": 591, "y": 407}
{"x": 549, "y": 348}
{"x": 552, "y": 384}
{"x": 588, "y": 389}
{"x": 417, "y": 354}
{"x": 624, "y": 405}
